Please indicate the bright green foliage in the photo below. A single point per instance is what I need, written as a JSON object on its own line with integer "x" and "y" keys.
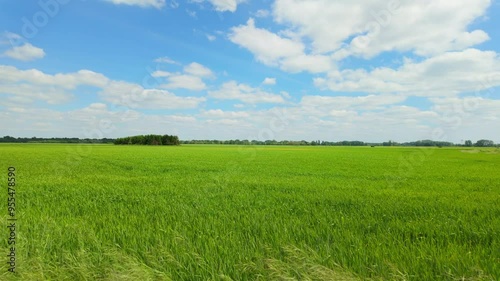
{"x": 104, "y": 212}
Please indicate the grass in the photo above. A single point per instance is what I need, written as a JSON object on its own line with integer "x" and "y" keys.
{"x": 101, "y": 212}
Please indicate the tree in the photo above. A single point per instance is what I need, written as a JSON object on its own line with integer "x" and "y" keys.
{"x": 149, "y": 140}
{"x": 484, "y": 143}
{"x": 468, "y": 143}
{"x": 389, "y": 143}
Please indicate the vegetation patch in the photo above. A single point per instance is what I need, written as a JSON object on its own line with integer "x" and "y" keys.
{"x": 234, "y": 213}
{"x": 149, "y": 140}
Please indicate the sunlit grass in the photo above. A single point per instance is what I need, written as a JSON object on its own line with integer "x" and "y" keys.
{"x": 102, "y": 212}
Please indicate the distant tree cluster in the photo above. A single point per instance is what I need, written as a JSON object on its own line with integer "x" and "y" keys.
{"x": 480, "y": 143}
{"x": 149, "y": 140}
{"x": 420, "y": 143}
{"x": 10, "y": 139}
{"x": 274, "y": 142}
{"x": 429, "y": 143}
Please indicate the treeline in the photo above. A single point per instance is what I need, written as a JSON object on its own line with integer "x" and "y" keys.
{"x": 174, "y": 140}
{"x": 274, "y": 142}
{"x": 10, "y": 139}
{"x": 420, "y": 143}
{"x": 284, "y": 142}
{"x": 245, "y": 142}
{"x": 429, "y": 143}
{"x": 149, "y": 140}
{"x": 480, "y": 143}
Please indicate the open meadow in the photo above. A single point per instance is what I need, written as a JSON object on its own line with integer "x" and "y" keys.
{"x": 104, "y": 212}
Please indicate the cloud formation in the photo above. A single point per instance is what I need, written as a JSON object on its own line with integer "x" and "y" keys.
{"x": 158, "y": 4}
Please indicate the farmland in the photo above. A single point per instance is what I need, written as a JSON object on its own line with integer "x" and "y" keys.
{"x": 103, "y": 212}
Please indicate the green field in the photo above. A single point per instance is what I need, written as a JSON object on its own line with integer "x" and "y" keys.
{"x": 103, "y": 212}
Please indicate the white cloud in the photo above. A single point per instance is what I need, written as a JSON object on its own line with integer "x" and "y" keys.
{"x": 211, "y": 37}
{"x": 262, "y": 13}
{"x": 458, "y": 111}
{"x": 448, "y": 74}
{"x": 367, "y": 118}
{"x": 198, "y": 70}
{"x": 134, "y": 96}
{"x": 181, "y": 118}
{"x": 223, "y": 5}
{"x": 269, "y": 81}
{"x": 33, "y": 85}
{"x": 28, "y": 86}
{"x": 310, "y": 63}
{"x": 225, "y": 122}
{"x": 94, "y": 120}
{"x": 158, "y": 4}
{"x": 10, "y": 38}
{"x": 158, "y": 99}
{"x": 174, "y": 4}
{"x": 226, "y": 5}
{"x": 272, "y": 49}
{"x": 90, "y": 113}
{"x": 191, "y": 78}
{"x": 181, "y": 81}
{"x": 161, "y": 73}
{"x": 165, "y": 60}
{"x": 218, "y": 113}
{"x": 321, "y": 105}
{"x": 26, "y": 52}
{"x": 192, "y": 14}
{"x": 234, "y": 91}
{"x": 316, "y": 35}
{"x": 29, "y": 93}
{"x": 266, "y": 46}
{"x": 423, "y": 27}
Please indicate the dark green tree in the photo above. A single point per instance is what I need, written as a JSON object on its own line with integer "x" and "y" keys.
{"x": 484, "y": 143}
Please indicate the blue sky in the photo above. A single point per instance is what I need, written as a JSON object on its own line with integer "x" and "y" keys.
{"x": 242, "y": 69}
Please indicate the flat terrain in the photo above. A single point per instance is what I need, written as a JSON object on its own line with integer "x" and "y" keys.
{"x": 103, "y": 212}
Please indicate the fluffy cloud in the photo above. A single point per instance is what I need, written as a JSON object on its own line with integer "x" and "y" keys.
{"x": 447, "y": 74}
{"x": 90, "y": 113}
{"x": 210, "y": 37}
{"x": 317, "y": 35}
{"x": 33, "y": 85}
{"x": 94, "y": 120}
{"x": 423, "y": 27}
{"x": 190, "y": 79}
{"x": 265, "y": 45}
{"x": 223, "y": 5}
{"x": 272, "y": 49}
{"x": 66, "y": 81}
{"x": 310, "y": 63}
{"x": 457, "y": 112}
{"x": 262, "y": 13}
{"x": 340, "y": 105}
{"x": 28, "y": 86}
{"x": 218, "y": 113}
{"x": 165, "y": 60}
{"x": 136, "y": 97}
{"x": 269, "y": 81}
{"x": 25, "y": 52}
{"x": 188, "y": 82}
{"x": 234, "y": 91}
{"x": 158, "y": 4}
{"x": 198, "y": 70}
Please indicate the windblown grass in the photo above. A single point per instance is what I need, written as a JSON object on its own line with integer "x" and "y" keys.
{"x": 102, "y": 212}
